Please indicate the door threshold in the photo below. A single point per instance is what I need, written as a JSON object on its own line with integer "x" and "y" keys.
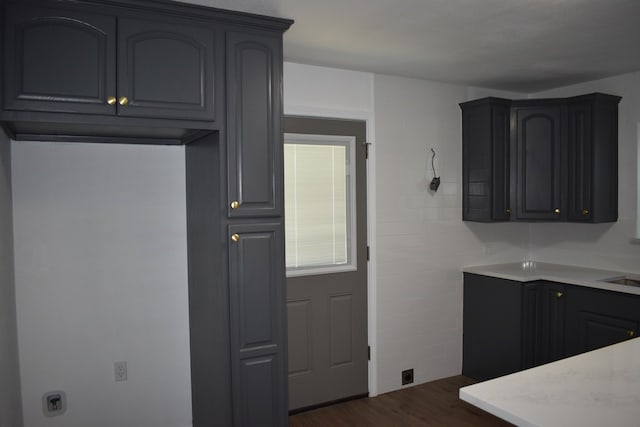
{"x": 332, "y": 402}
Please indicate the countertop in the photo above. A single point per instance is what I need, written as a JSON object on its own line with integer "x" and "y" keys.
{"x": 596, "y": 389}
{"x": 528, "y": 271}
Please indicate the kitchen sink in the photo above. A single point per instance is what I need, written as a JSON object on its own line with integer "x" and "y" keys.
{"x": 625, "y": 281}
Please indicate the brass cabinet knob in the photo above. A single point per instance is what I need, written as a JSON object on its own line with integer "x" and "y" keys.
{"x": 559, "y": 294}
{"x": 631, "y": 334}
{"x": 235, "y": 237}
{"x": 235, "y": 204}
{"x": 585, "y": 212}
{"x": 123, "y": 100}
{"x": 556, "y": 211}
{"x": 111, "y": 100}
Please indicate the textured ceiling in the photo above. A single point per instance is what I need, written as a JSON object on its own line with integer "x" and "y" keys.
{"x": 518, "y": 45}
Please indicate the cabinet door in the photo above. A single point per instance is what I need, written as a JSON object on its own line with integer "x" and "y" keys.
{"x": 485, "y": 160}
{"x": 254, "y": 128}
{"x": 598, "y": 318}
{"x": 257, "y": 304}
{"x": 593, "y": 158}
{"x": 552, "y": 322}
{"x": 58, "y": 60}
{"x": 539, "y": 154}
{"x": 543, "y": 320}
{"x": 166, "y": 69}
{"x": 580, "y": 159}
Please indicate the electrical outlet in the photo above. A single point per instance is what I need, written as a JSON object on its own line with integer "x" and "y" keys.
{"x": 120, "y": 371}
{"x": 407, "y": 376}
{"x": 54, "y": 403}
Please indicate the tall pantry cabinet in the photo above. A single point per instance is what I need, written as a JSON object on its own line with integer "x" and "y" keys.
{"x": 161, "y": 72}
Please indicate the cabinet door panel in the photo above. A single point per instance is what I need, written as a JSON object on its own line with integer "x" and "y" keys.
{"x": 552, "y": 322}
{"x": 254, "y": 125}
{"x": 166, "y": 69}
{"x": 598, "y": 318}
{"x": 59, "y": 60}
{"x": 600, "y": 330}
{"x": 257, "y": 317}
{"x": 580, "y": 162}
{"x": 593, "y": 158}
{"x": 485, "y": 159}
{"x": 539, "y": 157}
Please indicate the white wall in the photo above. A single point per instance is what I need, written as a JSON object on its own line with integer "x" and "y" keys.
{"x": 101, "y": 276}
{"x": 421, "y": 240}
{"x": 10, "y": 405}
{"x": 418, "y": 239}
{"x": 602, "y": 245}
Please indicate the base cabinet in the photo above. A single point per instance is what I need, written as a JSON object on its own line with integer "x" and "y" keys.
{"x": 492, "y": 326}
{"x": 510, "y": 326}
{"x": 598, "y": 318}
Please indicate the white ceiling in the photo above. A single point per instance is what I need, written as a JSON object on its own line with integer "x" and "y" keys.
{"x": 518, "y": 45}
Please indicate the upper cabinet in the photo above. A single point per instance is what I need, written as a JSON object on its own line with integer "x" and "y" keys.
{"x": 254, "y": 111}
{"x": 107, "y": 66}
{"x": 539, "y": 152}
{"x": 485, "y": 160}
{"x": 165, "y": 69}
{"x": 593, "y": 161}
{"x": 61, "y": 62}
{"x": 562, "y": 156}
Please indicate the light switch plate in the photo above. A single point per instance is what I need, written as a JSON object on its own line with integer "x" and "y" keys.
{"x": 120, "y": 371}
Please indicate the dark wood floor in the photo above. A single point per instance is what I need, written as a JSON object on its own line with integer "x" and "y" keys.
{"x": 432, "y": 404}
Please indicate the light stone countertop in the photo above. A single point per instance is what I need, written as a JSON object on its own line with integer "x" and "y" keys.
{"x": 528, "y": 271}
{"x": 600, "y": 388}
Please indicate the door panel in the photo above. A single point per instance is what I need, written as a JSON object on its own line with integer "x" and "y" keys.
{"x": 327, "y": 313}
{"x": 254, "y": 132}
{"x": 539, "y": 157}
{"x": 166, "y": 69}
{"x": 256, "y": 296}
{"x": 62, "y": 64}
{"x": 299, "y": 332}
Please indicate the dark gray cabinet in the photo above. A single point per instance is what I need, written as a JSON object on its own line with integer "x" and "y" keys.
{"x": 510, "y": 326}
{"x": 166, "y": 69}
{"x": 539, "y": 152}
{"x": 212, "y": 80}
{"x": 73, "y": 58}
{"x": 561, "y": 159}
{"x": 257, "y": 295}
{"x": 255, "y": 187}
{"x": 592, "y": 192}
{"x": 254, "y": 110}
{"x": 597, "y": 318}
{"x": 543, "y": 317}
{"x": 485, "y": 160}
{"x": 62, "y": 62}
{"x": 492, "y": 327}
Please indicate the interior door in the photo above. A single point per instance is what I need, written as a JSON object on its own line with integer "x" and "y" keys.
{"x": 326, "y": 246}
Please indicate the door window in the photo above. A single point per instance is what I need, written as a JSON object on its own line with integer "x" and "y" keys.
{"x": 319, "y": 203}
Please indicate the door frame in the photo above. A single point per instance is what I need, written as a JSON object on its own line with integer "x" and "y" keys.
{"x": 372, "y": 297}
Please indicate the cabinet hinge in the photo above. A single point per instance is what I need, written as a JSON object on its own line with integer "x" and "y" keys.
{"x": 368, "y": 253}
{"x": 366, "y": 149}
{"x": 368, "y": 352}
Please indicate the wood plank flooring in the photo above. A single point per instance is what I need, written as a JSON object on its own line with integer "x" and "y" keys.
{"x": 432, "y": 404}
